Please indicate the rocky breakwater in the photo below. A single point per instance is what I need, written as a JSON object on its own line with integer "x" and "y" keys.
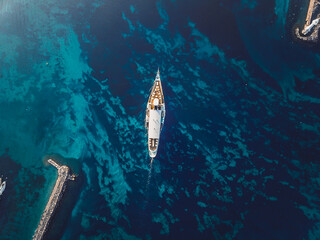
{"x": 310, "y": 31}
{"x": 64, "y": 174}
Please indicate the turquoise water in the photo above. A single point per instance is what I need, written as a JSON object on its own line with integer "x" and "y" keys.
{"x": 238, "y": 156}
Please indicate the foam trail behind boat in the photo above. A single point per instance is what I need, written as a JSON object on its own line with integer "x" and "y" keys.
{"x": 148, "y": 183}
{"x": 150, "y": 173}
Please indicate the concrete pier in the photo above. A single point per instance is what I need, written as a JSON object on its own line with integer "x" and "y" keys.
{"x": 63, "y": 177}
{"x": 310, "y": 12}
{"x": 311, "y": 27}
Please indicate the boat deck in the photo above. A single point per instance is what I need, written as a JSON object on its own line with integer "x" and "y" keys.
{"x": 155, "y": 114}
{"x": 156, "y": 93}
{"x": 153, "y": 143}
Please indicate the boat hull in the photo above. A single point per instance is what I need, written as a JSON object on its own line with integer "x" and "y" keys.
{"x": 155, "y": 115}
{"x": 2, "y": 187}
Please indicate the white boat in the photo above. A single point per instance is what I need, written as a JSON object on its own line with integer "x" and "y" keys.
{"x": 2, "y": 186}
{"x": 155, "y": 115}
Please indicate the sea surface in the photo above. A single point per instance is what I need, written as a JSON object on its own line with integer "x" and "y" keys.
{"x": 239, "y": 152}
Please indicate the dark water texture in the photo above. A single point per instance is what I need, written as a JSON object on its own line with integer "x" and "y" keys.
{"x": 238, "y": 156}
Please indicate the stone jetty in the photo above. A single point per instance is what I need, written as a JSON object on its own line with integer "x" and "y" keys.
{"x": 64, "y": 174}
{"x": 310, "y": 31}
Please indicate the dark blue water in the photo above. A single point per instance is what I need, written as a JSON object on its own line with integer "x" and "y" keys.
{"x": 238, "y": 156}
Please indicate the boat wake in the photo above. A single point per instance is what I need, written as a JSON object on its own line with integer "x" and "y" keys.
{"x": 149, "y": 174}
{"x": 148, "y": 183}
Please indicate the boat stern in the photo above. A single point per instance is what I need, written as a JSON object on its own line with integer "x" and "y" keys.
{"x": 152, "y": 154}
